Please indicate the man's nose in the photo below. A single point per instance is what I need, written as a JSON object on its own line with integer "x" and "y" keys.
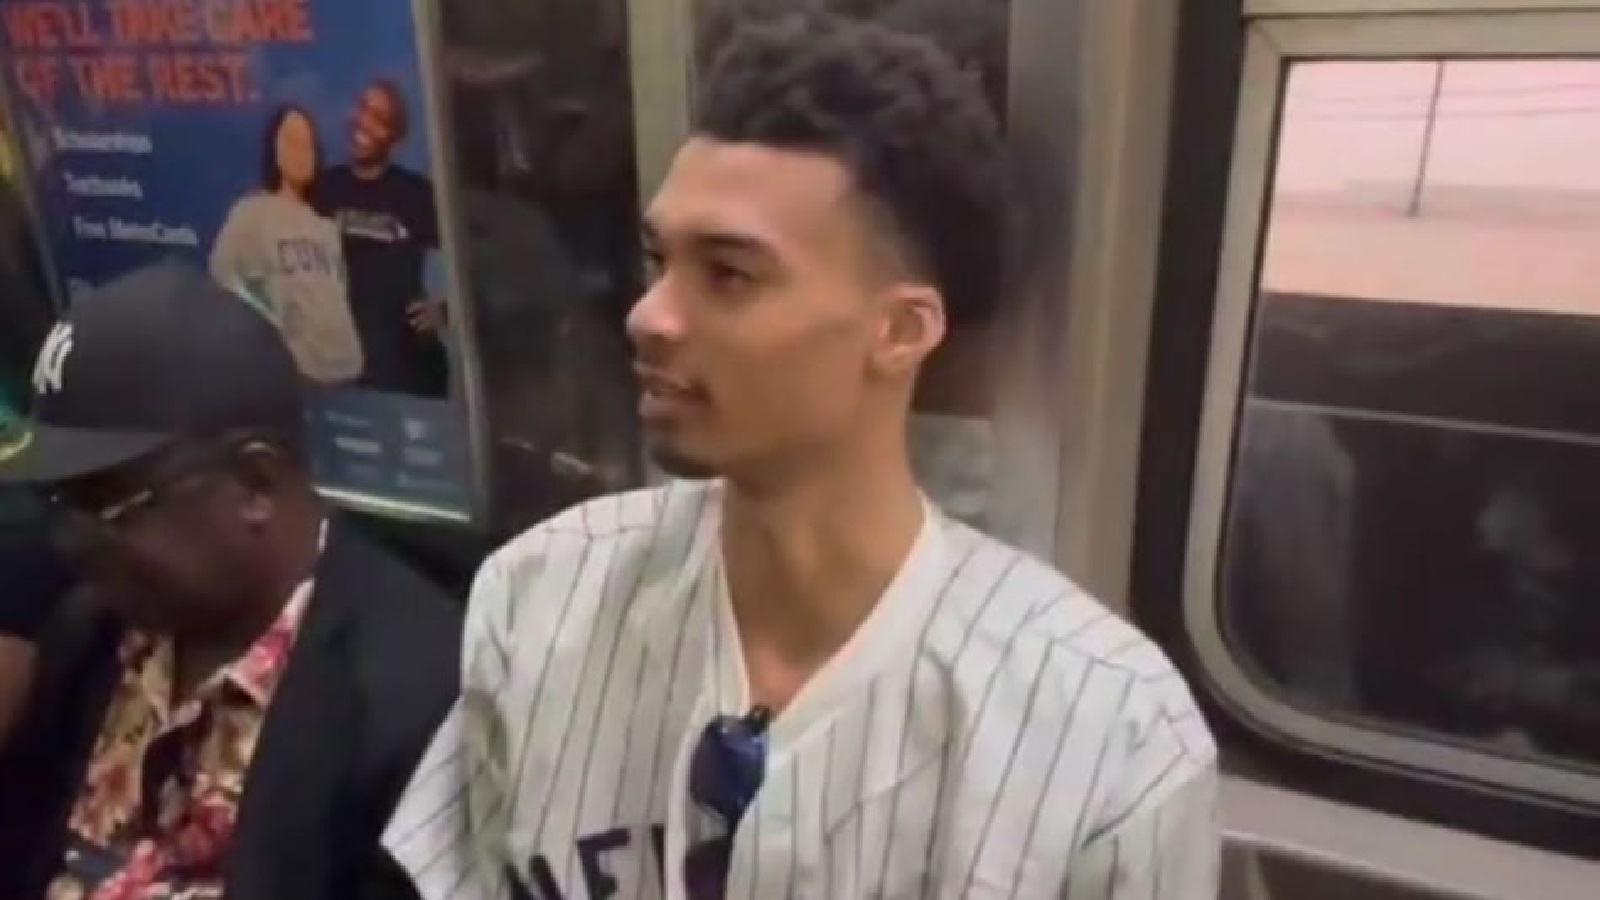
{"x": 657, "y": 317}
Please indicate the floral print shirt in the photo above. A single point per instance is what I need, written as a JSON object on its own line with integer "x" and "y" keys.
{"x": 156, "y": 812}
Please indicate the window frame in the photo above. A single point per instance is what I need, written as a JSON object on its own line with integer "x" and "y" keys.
{"x": 1261, "y": 9}
{"x": 467, "y": 360}
{"x": 1271, "y": 48}
{"x": 661, "y": 35}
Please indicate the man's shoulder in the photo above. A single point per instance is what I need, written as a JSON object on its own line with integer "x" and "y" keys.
{"x": 413, "y": 176}
{"x": 1058, "y": 698}
{"x": 617, "y": 527}
{"x": 564, "y": 578}
{"x": 344, "y": 176}
{"x": 393, "y": 611}
{"x": 408, "y": 179}
{"x": 399, "y": 644}
{"x": 351, "y": 551}
{"x": 1039, "y": 655}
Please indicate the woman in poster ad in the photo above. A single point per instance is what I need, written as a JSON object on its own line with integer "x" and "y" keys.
{"x": 277, "y": 251}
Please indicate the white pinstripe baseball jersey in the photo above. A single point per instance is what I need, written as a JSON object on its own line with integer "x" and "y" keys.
{"x": 989, "y": 732}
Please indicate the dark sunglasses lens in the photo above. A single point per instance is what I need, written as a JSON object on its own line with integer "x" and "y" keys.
{"x": 725, "y": 774}
{"x": 705, "y": 870}
{"x": 727, "y": 769}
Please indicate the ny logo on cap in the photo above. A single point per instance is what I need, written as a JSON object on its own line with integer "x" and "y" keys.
{"x": 47, "y": 372}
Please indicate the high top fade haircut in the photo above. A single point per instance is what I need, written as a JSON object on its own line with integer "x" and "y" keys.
{"x": 973, "y": 32}
{"x": 914, "y": 130}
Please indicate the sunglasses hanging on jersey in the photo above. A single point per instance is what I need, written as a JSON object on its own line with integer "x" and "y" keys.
{"x": 726, "y": 771}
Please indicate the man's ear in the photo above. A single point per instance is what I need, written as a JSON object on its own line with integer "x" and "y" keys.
{"x": 261, "y": 469}
{"x": 913, "y": 326}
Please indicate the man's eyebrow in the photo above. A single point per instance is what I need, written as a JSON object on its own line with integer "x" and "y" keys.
{"x": 708, "y": 240}
{"x": 732, "y": 243}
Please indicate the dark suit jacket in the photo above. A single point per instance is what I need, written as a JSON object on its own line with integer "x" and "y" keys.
{"x": 372, "y": 674}
{"x": 33, "y": 577}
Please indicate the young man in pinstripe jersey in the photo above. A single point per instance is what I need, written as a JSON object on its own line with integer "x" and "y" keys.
{"x": 792, "y": 677}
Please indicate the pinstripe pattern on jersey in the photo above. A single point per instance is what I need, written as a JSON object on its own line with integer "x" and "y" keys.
{"x": 1018, "y": 741}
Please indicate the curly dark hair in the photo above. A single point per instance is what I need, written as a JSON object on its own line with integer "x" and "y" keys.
{"x": 915, "y": 131}
{"x": 973, "y": 32}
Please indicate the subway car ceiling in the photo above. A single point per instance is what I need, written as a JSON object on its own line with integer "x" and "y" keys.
{"x": 1294, "y": 368}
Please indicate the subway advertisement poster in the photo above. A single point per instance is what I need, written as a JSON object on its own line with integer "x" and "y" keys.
{"x": 284, "y": 146}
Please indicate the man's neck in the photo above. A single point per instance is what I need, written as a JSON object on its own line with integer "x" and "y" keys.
{"x": 200, "y": 656}
{"x": 807, "y": 564}
{"x": 958, "y": 379}
{"x": 367, "y": 171}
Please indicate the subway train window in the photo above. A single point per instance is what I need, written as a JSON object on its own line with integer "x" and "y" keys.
{"x": 1409, "y": 543}
{"x": 954, "y": 444}
{"x": 543, "y": 140}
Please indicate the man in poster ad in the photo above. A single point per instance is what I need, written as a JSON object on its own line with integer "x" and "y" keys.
{"x": 389, "y": 224}
{"x": 335, "y": 247}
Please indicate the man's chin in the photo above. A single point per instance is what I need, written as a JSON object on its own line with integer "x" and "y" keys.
{"x": 130, "y": 605}
{"x": 680, "y": 465}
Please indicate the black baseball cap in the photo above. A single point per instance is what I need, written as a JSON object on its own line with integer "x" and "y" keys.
{"x": 159, "y": 354}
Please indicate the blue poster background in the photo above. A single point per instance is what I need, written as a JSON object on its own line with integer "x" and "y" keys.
{"x": 192, "y": 160}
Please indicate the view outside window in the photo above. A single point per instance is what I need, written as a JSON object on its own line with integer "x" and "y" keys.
{"x": 1416, "y": 499}
{"x": 953, "y": 440}
{"x": 544, "y": 145}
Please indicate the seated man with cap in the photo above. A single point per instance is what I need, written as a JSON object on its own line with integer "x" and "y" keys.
{"x": 233, "y": 700}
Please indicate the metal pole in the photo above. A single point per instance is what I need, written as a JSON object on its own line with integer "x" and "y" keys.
{"x": 1414, "y": 208}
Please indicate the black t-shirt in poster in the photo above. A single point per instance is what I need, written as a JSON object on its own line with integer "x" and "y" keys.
{"x": 389, "y": 224}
